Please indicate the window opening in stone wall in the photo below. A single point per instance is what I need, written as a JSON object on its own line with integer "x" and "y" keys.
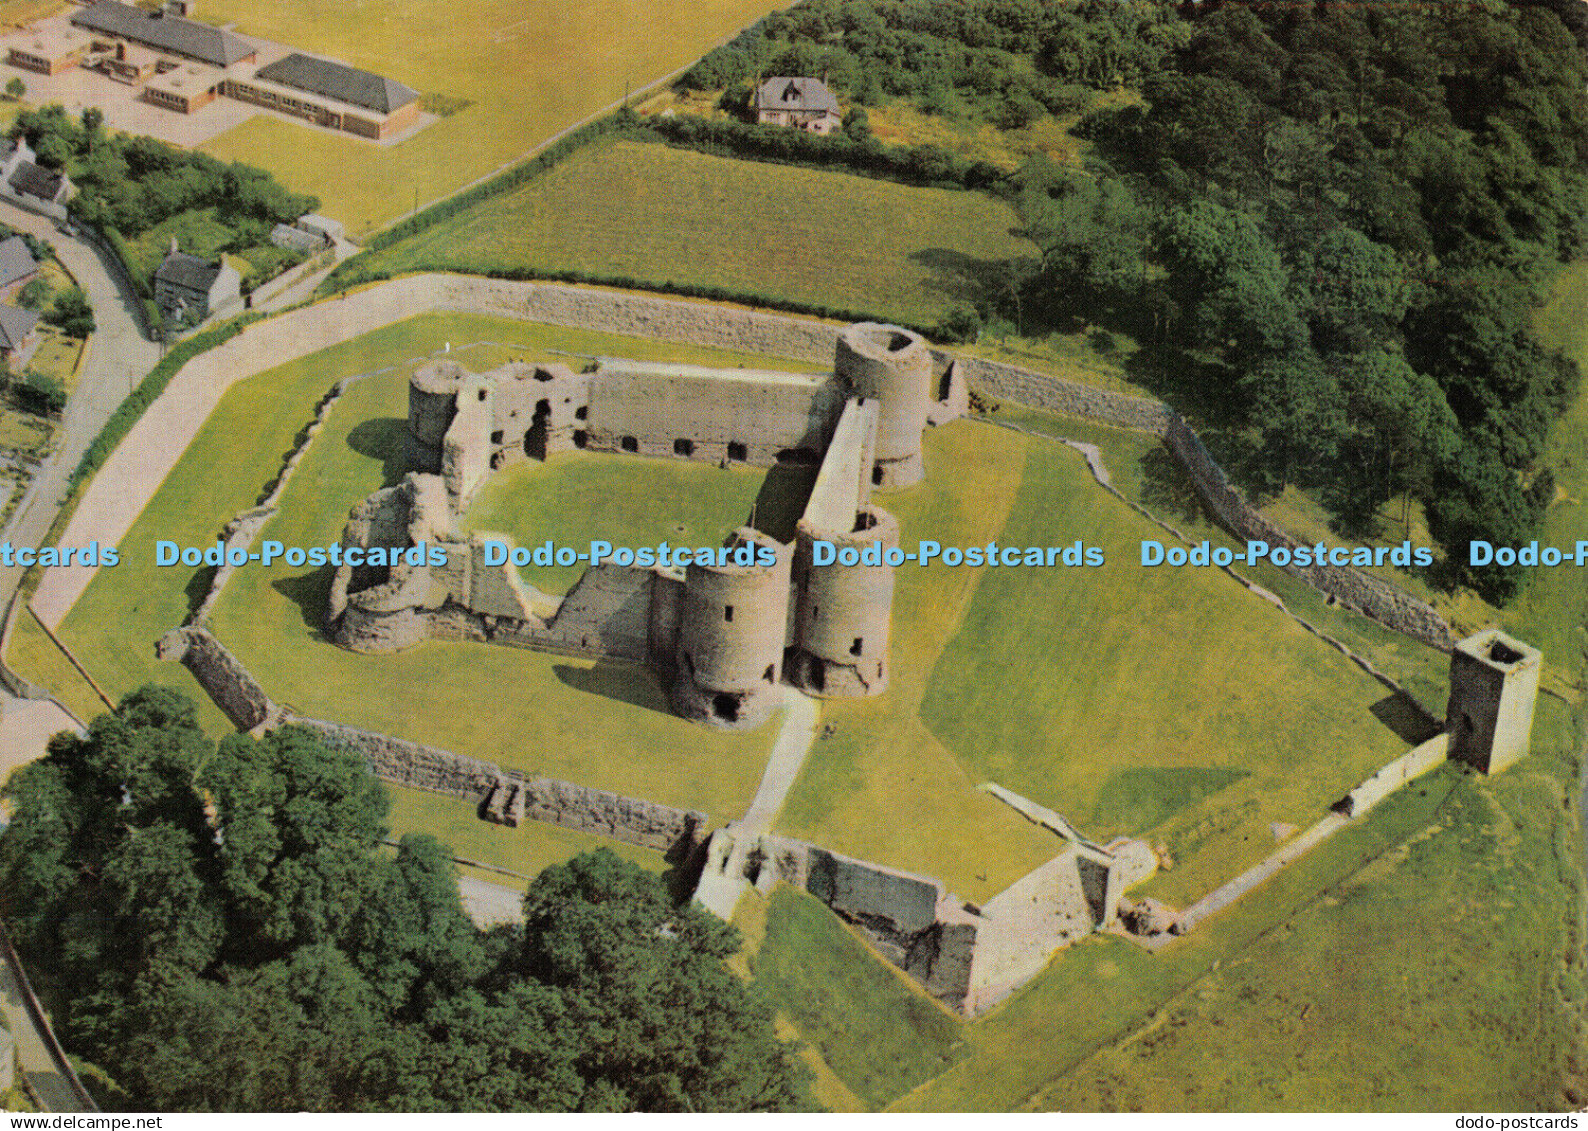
{"x": 816, "y": 612}
{"x": 738, "y": 451}
{"x": 876, "y": 476}
{"x": 535, "y": 438}
{"x": 683, "y": 447}
{"x": 818, "y": 673}
{"x": 945, "y": 385}
{"x": 482, "y": 394}
{"x": 580, "y": 439}
{"x": 854, "y": 649}
{"x": 630, "y": 444}
{"x": 496, "y": 436}
{"x": 770, "y": 675}
{"x": 727, "y": 613}
{"x": 581, "y": 412}
{"x": 725, "y": 707}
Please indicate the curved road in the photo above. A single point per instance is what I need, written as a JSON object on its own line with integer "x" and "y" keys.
{"x": 119, "y": 356}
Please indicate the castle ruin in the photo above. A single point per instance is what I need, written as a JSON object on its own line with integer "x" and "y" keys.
{"x": 725, "y": 633}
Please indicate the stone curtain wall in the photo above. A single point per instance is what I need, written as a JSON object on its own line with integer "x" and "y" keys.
{"x": 222, "y": 674}
{"x": 1351, "y": 587}
{"x": 411, "y": 764}
{"x": 637, "y": 315}
{"x": 1055, "y": 394}
{"x": 417, "y": 766}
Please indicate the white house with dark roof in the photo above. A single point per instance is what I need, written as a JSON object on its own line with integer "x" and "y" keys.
{"x": 27, "y": 183}
{"x": 17, "y": 265}
{"x": 17, "y": 337}
{"x": 799, "y": 103}
{"x": 189, "y": 289}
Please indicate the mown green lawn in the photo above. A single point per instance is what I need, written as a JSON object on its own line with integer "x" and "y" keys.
{"x": 562, "y": 717}
{"x": 875, "y": 1030}
{"x": 663, "y": 215}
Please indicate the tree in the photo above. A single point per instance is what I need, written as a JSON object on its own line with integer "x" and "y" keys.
{"x": 15, "y": 89}
{"x": 72, "y": 313}
{"x": 234, "y": 935}
{"x": 663, "y": 1024}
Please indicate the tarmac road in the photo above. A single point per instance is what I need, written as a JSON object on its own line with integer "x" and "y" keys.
{"x": 119, "y": 356}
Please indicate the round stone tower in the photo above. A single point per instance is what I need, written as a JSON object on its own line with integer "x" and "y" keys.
{"x": 731, "y": 632}
{"x": 432, "y": 403}
{"x": 844, "y": 607}
{"x": 894, "y": 366}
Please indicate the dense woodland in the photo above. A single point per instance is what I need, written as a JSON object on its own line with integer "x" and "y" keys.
{"x": 1324, "y": 225}
{"x": 227, "y": 931}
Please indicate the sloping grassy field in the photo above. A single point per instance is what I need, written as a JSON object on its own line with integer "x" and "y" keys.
{"x": 526, "y": 70}
{"x": 664, "y": 215}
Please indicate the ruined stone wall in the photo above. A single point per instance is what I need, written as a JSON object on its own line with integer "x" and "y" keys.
{"x": 1413, "y": 764}
{"x": 221, "y": 674}
{"x": 410, "y": 764}
{"x": 644, "y": 316}
{"x": 1055, "y": 394}
{"x": 417, "y": 766}
{"x": 908, "y": 918}
{"x": 1354, "y": 589}
{"x": 687, "y": 410}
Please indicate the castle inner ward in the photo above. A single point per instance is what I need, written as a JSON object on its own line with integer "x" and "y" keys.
{"x": 724, "y": 635}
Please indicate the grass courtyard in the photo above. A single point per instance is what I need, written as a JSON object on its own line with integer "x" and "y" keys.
{"x": 661, "y": 215}
{"x": 525, "y": 71}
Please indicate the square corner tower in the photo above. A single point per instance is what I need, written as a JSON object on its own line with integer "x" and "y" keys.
{"x": 1493, "y": 687}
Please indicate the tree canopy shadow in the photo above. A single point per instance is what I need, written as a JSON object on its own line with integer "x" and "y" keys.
{"x": 1167, "y": 490}
{"x": 968, "y": 278}
{"x": 382, "y": 439}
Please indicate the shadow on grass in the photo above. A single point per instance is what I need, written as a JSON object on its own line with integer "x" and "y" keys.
{"x": 1167, "y": 491}
{"x": 198, "y": 587}
{"x": 311, "y": 592}
{"x": 634, "y": 684}
{"x": 382, "y": 439}
{"x": 966, "y": 278}
{"x": 1409, "y": 719}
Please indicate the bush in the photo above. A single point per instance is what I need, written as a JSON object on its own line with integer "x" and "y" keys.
{"x": 72, "y": 313}
{"x": 40, "y": 393}
{"x": 35, "y": 296}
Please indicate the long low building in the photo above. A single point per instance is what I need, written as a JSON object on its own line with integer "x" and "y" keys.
{"x": 183, "y": 65}
{"x": 163, "y": 31}
{"x": 330, "y": 94}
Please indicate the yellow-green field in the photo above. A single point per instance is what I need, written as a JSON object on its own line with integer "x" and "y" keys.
{"x": 664, "y": 215}
{"x": 528, "y": 70}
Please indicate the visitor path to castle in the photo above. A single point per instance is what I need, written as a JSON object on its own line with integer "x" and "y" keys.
{"x": 795, "y": 737}
{"x": 723, "y": 880}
